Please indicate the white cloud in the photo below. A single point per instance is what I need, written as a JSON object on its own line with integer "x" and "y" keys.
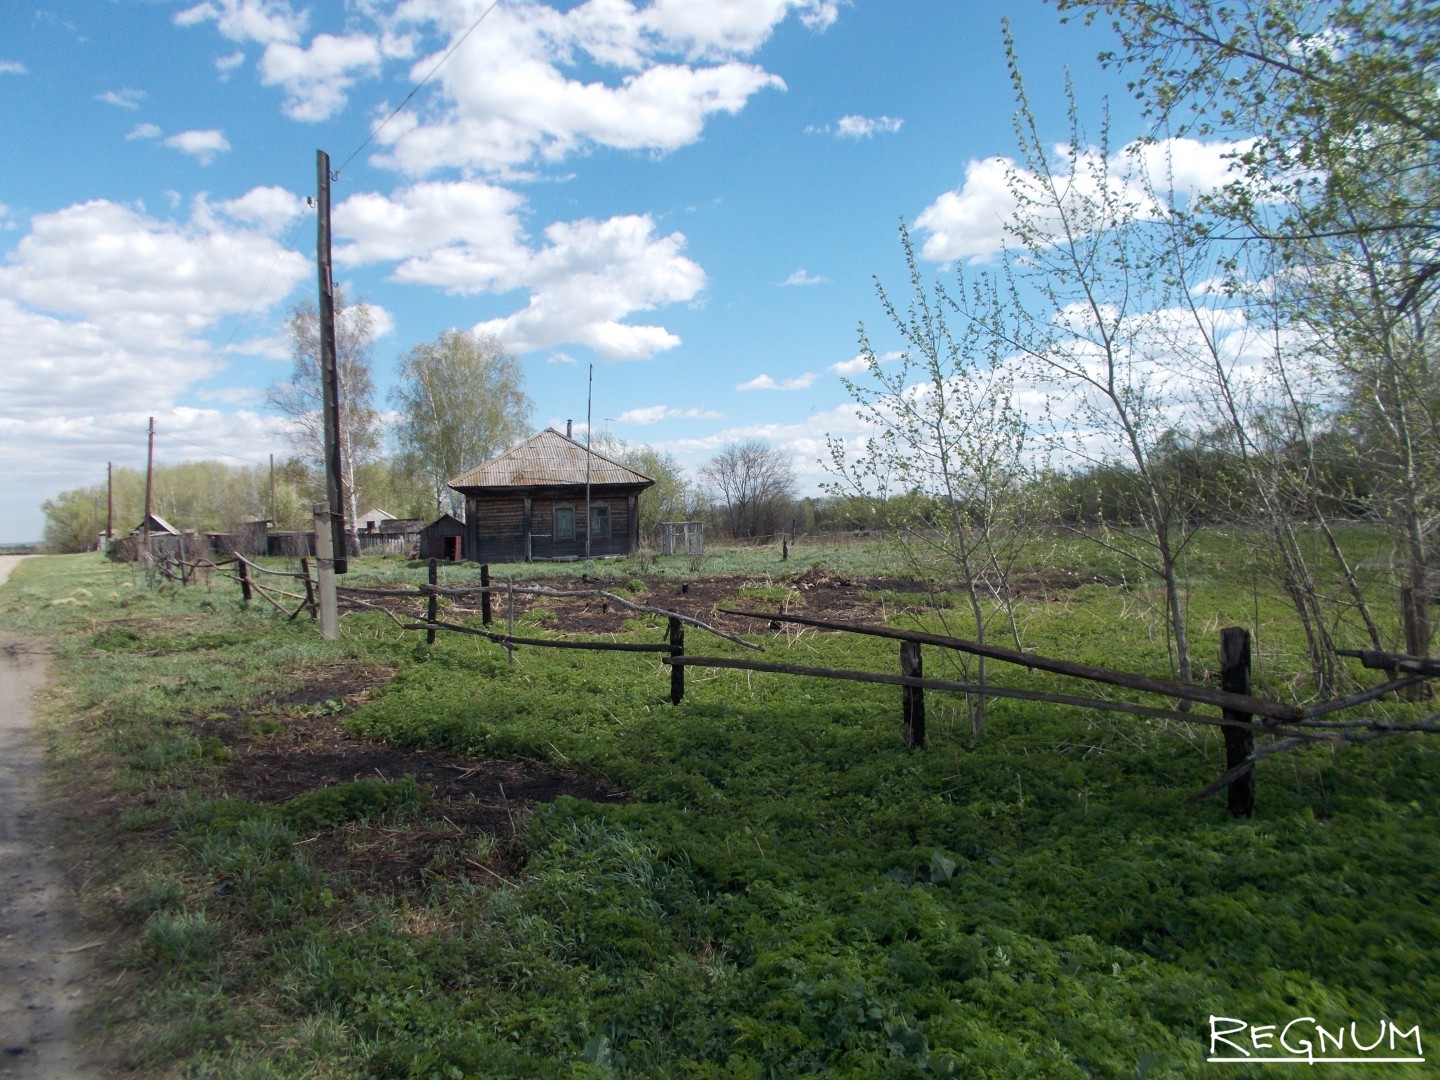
{"x": 268, "y": 208}
{"x": 317, "y": 78}
{"x": 150, "y": 283}
{"x": 765, "y": 382}
{"x": 13, "y": 67}
{"x": 584, "y": 280}
{"x": 858, "y": 365}
{"x": 228, "y": 63}
{"x": 866, "y": 127}
{"x": 262, "y": 21}
{"x": 803, "y": 277}
{"x": 969, "y": 223}
{"x": 201, "y": 145}
{"x": 653, "y": 414}
{"x": 514, "y": 94}
{"x": 125, "y": 98}
{"x": 144, "y": 131}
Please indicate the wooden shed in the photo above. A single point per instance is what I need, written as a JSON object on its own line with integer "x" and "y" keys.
{"x": 443, "y": 538}
{"x": 547, "y": 499}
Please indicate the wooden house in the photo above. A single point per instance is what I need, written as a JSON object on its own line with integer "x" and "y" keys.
{"x": 443, "y": 538}
{"x": 550, "y": 498}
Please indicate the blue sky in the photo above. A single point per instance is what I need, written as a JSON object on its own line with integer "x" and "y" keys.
{"x": 694, "y": 197}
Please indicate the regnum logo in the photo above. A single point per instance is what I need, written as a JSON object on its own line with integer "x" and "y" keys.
{"x": 1308, "y": 1040}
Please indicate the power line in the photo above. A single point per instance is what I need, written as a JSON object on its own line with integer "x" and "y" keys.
{"x": 399, "y": 108}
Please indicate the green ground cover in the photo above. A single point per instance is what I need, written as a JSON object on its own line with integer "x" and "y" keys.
{"x": 786, "y": 891}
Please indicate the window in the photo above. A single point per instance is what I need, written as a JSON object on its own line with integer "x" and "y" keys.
{"x": 564, "y": 523}
{"x": 600, "y": 521}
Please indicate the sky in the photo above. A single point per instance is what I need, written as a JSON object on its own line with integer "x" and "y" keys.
{"x": 692, "y": 199}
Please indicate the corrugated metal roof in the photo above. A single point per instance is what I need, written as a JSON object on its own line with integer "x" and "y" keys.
{"x": 546, "y": 460}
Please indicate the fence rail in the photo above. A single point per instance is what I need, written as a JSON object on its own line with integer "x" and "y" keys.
{"x": 1241, "y": 715}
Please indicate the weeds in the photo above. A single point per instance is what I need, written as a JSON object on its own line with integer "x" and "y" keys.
{"x": 787, "y": 890}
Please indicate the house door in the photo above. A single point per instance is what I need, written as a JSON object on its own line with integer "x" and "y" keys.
{"x": 452, "y": 548}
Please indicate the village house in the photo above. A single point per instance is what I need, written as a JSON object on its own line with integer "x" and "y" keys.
{"x": 550, "y": 498}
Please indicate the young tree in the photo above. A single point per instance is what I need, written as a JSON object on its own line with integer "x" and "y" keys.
{"x": 462, "y": 401}
{"x": 1091, "y": 320}
{"x": 755, "y": 482}
{"x": 1340, "y": 183}
{"x": 945, "y": 466}
{"x": 300, "y": 399}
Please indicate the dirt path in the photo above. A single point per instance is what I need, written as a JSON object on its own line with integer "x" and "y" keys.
{"x": 42, "y": 966}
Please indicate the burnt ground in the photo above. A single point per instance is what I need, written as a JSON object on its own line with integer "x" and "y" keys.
{"x": 298, "y": 744}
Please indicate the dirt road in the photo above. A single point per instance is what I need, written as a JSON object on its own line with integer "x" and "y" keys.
{"x": 42, "y": 963}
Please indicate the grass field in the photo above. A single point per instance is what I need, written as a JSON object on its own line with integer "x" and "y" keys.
{"x": 760, "y": 882}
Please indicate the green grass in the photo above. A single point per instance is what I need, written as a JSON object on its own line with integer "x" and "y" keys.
{"x": 787, "y": 892}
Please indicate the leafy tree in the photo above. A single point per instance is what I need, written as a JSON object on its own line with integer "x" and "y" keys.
{"x": 300, "y": 400}
{"x": 462, "y": 401}
{"x": 755, "y": 483}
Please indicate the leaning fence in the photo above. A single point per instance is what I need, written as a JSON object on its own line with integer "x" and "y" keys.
{"x": 1232, "y": 707}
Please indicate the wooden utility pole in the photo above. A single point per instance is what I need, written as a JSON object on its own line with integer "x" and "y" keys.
{"x": 329, "y": 375}
{"x": 149, "y": 479}
{"x": 109, "y": 503}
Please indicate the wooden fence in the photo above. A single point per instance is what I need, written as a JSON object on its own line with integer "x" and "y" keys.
{"x": 1231, "y": 706}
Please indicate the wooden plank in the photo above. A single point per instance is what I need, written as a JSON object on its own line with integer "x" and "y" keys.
{"x": 677, "y": 671}
{"x": 546, "y": 643}
{"x": 991, "y": 690}
{"x": 1144, "y": 683}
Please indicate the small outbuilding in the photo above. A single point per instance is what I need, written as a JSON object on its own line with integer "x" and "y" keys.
{"x": 550, "y": 498}
{"x": 443, "y": 538}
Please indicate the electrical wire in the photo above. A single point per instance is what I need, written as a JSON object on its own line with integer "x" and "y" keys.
{"x": 335, "y": 174}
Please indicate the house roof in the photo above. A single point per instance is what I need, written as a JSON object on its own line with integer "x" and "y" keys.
{"x": 157, "y": 524}
{"x": 549, "y": 460}
{"x": 378, "y": 515}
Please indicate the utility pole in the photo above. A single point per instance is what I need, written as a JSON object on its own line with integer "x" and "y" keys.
{"x": 149, "y": 483}
{"x": 273, "y": 519}
{"x": 330, "y": 550}
{"x": 109, "y": 503}
{"x": 589, "y": 518}
{"x": 329, "y": 374}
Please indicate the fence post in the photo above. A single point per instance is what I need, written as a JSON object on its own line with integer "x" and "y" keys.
{"x": 912, "y": 698}
{"x": 309, "y": 589}
{"x": 1239, "y": 742}
{"x": 432, "y": 609}
{"x": 485, "y": 596}
{"x": 245, "y": 581}
{"x": 677, "y": 671}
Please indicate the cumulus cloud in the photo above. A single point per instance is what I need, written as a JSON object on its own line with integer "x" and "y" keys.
{"x": 969, "y": 223}
{"x": 262, "y": 21}
{"x": 201, "y": 145}
{"x": 765, "y": 382}
{"x": 316, "y": 78}
{"x": 148, "y": 285}
{"x": 540, "y": 83}
{"x": 585, "y": 279}
{"x": 804, "y": 277}
{"x": 144, "y": 131}
{"x": 13, "y": 67}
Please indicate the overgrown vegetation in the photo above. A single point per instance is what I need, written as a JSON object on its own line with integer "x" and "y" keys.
{"x": 785, "y": 890}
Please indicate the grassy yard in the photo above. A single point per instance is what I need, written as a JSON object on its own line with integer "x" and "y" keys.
{"x": 760, "y": 882}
